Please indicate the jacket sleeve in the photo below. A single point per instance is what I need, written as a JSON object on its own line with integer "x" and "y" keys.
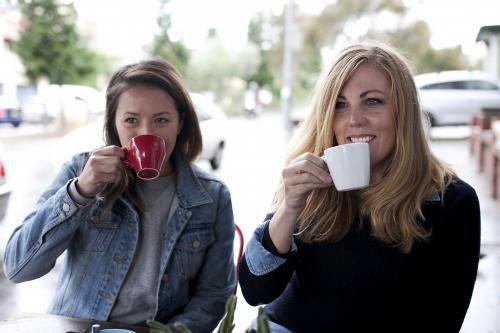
{"x": 216, "y": 279}
{"x": 455, "y": 261}
{"x": 46, "y": 232}
{"x": 263, "y": 273}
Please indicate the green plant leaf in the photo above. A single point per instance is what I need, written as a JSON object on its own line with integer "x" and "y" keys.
{"x": 182, "y": 328}
{"x": 157, "y": 327}
{"x": 262, "y": 322}
{"x": 227, "y": 325}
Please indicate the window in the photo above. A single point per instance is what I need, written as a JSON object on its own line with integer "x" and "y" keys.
{"x": 454, "y": 85}
{"x": 462, "y": 85}
{"x": 480, "y": 85}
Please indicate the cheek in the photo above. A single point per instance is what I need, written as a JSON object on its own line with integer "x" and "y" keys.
{"x": 338, "y": 132}
{"x": 123, "y": 135}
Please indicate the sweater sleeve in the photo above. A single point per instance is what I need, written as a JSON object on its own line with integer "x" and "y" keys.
{"x": 455, "y": 263}
{"x": 263, "y": 273}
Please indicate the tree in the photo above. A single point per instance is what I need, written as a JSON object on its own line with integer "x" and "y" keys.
{"x": 263, "y": 76}
{"x": 164, "y": 47}
{"x": 221, "y": 72}
{"x": 51, "y": 47}
{"x": 414, "y": 41}
{"x": 334, "y": 25}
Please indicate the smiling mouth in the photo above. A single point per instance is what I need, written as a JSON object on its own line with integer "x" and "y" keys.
{"x": 358, "y": 139}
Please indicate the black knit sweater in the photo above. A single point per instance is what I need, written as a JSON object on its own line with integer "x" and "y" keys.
{"x": 360, "y": 284}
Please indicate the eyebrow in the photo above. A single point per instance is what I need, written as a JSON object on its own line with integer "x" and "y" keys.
{"x": 363, "y": 94}
{"x": 131, "y": 113}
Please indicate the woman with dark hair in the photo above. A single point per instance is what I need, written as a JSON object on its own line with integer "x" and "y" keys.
{"x": 136, "y": 250}
{"x": 400, "y": 255}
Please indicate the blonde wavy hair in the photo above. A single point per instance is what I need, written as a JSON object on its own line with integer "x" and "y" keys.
{"x": 393, "y": 205}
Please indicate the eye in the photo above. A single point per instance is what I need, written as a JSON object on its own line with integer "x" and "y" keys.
{"x": 161, "y": 120}
{"x": 340, "y": 105}
{"x": 373, "y": 101}
{"x": 131, "y": 120}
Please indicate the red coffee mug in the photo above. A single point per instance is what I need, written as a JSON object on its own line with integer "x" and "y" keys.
{"x": 145, "y": 154}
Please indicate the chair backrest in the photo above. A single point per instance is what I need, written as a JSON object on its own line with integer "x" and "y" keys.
{"x": 241, "y": 243}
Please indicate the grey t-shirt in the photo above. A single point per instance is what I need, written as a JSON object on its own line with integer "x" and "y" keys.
{"x": 137, "y": 299}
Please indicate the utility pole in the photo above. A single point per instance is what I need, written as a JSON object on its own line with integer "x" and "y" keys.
{"x": 286, "y": 89}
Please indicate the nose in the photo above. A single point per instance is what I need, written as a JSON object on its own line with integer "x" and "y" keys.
{"x": 356, "y": 116}
{"x": 146, "y": 128}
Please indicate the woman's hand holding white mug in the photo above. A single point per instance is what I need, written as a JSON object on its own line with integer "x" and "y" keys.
{"x": 103, "y": 167}
{"x": 304, "y": 174}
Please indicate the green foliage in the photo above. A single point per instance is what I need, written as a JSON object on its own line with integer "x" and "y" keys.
{"x": 262, "y": 322}
{"x": 157, "y": 327}
{"x": 51, "y": 47}
{"x": 263, "y": 75}
{"x": 226, "y": 325}
{"x": 328, "y": 30}
{"x": 222, "y": 72}
{"x": 174, "y": 52}
{"x": 414, "y": 41}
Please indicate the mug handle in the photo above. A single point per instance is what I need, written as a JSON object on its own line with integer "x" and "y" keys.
{"x": 126, "y": 161}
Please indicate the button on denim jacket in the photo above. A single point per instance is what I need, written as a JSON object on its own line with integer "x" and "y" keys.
{"x": 196, "y": 269}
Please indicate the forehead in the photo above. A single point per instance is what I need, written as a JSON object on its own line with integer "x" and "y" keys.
{"x": 368, "y": 76}
{"x": 141, "y": 92}
{"x": 145, "y": 97}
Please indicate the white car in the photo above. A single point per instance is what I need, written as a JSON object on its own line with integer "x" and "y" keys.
{"x": 79, "y": 104}
{"x": 212, "y": 123}
{"x": 450, "y": 97}
{"x": 4, "y": 186}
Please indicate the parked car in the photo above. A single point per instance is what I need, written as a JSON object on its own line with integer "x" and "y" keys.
{"x": 79, "y": 104}
{"x": 9, "y": 113}
{"x": 4, "y": 185}
{"x": 212, "y": 123}
{"x": 213, "y": 129}
{"x": 450, "y": 97}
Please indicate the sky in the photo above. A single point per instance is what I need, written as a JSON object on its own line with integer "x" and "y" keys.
{"x": 451, "y": 22}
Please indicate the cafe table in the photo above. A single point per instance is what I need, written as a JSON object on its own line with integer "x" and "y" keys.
{"x": 47, "y": 323}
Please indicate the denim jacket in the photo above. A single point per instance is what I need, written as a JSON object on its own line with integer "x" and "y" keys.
{"x": 196, "y": 269}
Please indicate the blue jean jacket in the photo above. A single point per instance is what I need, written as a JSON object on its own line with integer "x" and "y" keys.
{"x": 196, "y": 269}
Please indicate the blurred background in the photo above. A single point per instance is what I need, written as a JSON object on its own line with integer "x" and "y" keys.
{"x": 251, "y": 67}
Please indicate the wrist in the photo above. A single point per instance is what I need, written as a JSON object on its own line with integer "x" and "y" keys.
{"x": 290, "y": 213}
{"x": 81, "y": 192}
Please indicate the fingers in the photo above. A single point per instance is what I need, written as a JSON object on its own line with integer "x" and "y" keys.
{"x": 308, "y": 168}
{"x": 109, "y": 151}
{"x": 304, "y": 174}
{"x": 103, "y": 166}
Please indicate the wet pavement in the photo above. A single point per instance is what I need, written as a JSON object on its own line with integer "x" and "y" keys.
{"x": 484, "y": 310}
{"x": 252, "y": 185}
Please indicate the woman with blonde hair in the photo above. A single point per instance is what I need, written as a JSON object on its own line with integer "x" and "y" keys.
{"x": 400, "y": 255}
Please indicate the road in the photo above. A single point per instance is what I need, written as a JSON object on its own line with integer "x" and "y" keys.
{"x": 251, "y": 168}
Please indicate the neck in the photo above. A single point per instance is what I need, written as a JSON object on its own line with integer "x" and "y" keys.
{"x": 167, "y": 169}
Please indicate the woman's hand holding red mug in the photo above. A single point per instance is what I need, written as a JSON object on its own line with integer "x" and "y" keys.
{"x": 103, "y": 167}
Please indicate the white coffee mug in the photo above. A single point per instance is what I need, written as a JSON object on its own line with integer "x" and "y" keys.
{"x": 349, "y": 165}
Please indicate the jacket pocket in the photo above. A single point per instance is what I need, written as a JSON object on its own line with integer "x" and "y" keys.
{"x": 95, "y": 235}
{"x": 191, "y": 248}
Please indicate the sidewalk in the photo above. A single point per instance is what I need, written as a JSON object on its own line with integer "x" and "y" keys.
{"x": 485, "y": 305}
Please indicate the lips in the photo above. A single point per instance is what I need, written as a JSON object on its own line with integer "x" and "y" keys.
{"x": 360, "y": 138}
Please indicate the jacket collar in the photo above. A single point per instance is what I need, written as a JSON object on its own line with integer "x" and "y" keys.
{"x": 190, "y": 191}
